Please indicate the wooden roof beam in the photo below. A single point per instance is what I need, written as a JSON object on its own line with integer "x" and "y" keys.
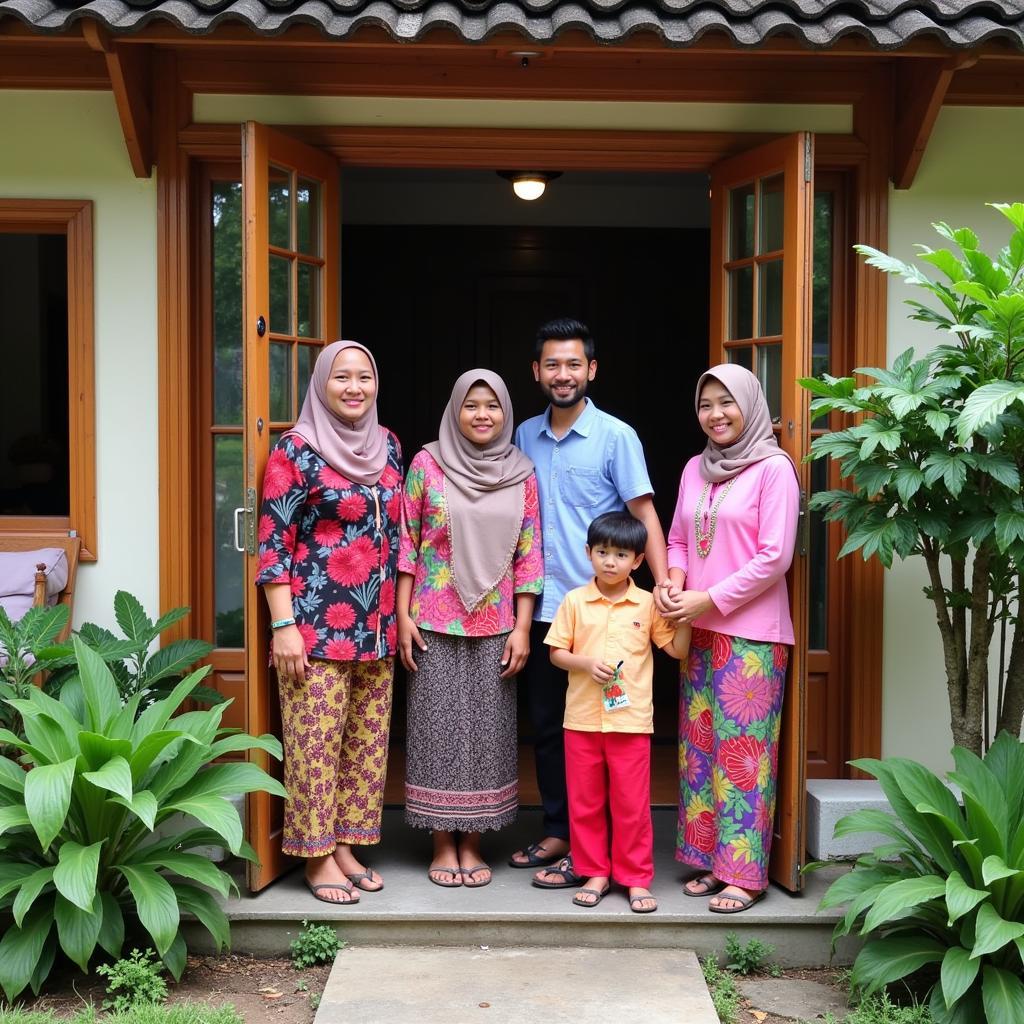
{"x": 919, "y": 90}
{"x": 131, "y": 82}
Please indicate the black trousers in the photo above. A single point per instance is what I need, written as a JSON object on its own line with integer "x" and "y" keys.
{"x": 545, "y": 689}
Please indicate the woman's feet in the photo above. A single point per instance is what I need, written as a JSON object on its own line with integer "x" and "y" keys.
{"x": 327, "y": 881}
{"x": 725, "y": 898}
{"x": 641, "y": 901}
{"x": 475, "y": 873}
{"x": 703, "y": 885}
{"x": 445, "y": 869}
{"x": 360, "y": 876}
{"x": 594, "y": 890}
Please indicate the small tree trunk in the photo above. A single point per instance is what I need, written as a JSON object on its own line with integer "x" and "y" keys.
{"x": 1011, "y": 714}
{"x": 971, "y": 731}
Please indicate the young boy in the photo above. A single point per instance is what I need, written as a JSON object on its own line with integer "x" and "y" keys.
{"x": 601, "y": 636}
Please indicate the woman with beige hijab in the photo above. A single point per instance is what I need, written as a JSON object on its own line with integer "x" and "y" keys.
{"x": 470, "y": 567}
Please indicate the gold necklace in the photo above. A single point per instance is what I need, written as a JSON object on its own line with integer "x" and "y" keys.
{"x": 706, "y": 537}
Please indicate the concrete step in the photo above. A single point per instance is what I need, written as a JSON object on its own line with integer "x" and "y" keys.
{"x": 513, "y": 984}
{"x": 510, "y": 912}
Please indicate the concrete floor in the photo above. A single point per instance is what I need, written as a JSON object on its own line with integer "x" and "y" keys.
{"x": 510, "y": 912}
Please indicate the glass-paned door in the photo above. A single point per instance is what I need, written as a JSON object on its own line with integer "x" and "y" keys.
{"x": 289, "y": 310}
{"x": 761, "y": 217}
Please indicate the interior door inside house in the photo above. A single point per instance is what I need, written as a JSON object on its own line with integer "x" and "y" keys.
{"x": 434, "y": 293}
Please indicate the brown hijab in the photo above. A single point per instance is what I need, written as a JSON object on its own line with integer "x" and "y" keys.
{"x": 484, "y": 488}
{"x": 757, "y": 439}
{"x": 359, "y": 450}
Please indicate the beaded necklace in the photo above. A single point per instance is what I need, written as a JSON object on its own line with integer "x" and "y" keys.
{"x": 706, "y": 535}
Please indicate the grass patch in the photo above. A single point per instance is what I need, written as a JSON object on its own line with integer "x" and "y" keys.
{"x": 180, "y": 1013}
{"x": 725, "y": 996}
{"x": 880, "y": 1009}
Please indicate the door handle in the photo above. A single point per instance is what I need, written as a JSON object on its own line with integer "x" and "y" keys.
{"x": 239, "y": 546}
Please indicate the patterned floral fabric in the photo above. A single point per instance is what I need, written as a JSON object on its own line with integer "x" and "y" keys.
{"x": 729, "y": 720}
{"x": 336, "y": 544}
{"x": 335, "y": 727}
{"x": 426, "y": 553}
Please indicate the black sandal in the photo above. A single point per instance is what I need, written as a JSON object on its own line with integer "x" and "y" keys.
{"x": 532, "y": 860}
{"x": 565, "y": 871}
{"x": 711, "y": 885}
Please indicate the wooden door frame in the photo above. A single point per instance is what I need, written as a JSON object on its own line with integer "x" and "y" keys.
{"x": 863, "y": 156}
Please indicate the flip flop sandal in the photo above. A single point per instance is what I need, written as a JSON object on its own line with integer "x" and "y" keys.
{"x": 454, "y": 872}
{"x": 745, "y": 903}
{"x": 471, "y": 873}
{"x": 316, "y": 889}
{"x": 532, "y": 858}
{"x": 710, "y": 888}
{"x": 357, "y": 878}
{"x": 565, "y": 871}
{"x": 598, "y": 894}
{"x": 634, "y": 900}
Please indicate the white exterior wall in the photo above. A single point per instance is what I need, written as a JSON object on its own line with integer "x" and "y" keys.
{"x": 68, "y": 145}
{"x": 975, "y": 156}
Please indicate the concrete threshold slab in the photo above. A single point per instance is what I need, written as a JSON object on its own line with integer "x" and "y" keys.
{"x": 510, "y": 985}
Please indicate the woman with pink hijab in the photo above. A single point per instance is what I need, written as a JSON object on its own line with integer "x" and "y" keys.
{"x": 329, "y": 536}
{"x": 729, "y": 548}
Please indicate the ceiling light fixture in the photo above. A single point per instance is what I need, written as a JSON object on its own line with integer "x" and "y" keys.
{"x": 529, "y": 185}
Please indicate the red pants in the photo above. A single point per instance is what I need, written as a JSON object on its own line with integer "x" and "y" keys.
{"x": 609, "y": 781}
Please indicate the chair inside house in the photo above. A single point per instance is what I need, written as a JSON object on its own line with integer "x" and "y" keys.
{"x": 36, "y": 570}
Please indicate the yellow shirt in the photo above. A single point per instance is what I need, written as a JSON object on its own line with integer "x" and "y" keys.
{"x": 588, "y": 623}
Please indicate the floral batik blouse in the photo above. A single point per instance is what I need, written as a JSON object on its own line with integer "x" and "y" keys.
{"x": 426, "y": 554}
{"x": 336, "y": 544}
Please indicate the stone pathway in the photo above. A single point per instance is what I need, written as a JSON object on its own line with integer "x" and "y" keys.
{"x": 794, "y": 998}
{"x": 513, "y": 985}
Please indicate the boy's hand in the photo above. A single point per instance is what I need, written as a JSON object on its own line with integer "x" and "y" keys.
{"x": 601, "y": 672}
{"x": 668, "y": 600}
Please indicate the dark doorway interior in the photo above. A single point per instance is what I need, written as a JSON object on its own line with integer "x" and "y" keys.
{"x": 434, "y": 301}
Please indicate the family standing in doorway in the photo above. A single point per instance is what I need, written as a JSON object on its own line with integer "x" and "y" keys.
{"x": 502, "y": 561}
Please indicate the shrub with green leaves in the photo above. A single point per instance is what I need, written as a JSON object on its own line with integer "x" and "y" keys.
{"x": 954, "y": 895}
{"x": 134, "y": 981}
{"x": 747, "y": 957}
{"x": 77, "y": 851}
{"x": 725, "y": 996}
{"x": 934, "y": 461}
{"x": 315, "y": 944}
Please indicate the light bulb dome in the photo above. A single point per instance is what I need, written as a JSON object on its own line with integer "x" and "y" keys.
{"x": 528, "y": 187}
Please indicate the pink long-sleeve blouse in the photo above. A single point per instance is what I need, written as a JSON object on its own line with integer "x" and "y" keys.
{"x": 744, "y": 573}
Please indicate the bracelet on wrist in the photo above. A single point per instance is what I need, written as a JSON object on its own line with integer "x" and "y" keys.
{"x": 281, "y": 623}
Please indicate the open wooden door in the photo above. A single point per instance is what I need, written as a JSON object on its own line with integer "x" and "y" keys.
{"x": 761, "y": 262}
{"x": 290, "y": 254}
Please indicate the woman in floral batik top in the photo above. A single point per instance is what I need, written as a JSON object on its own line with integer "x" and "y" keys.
{"x": 329, "y": 534}
{"x": 469, "y": 571}
{"x": 730, "y": 545}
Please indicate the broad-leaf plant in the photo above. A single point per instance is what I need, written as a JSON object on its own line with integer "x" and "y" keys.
{"x": 946, "y": 892}
{"x": 93, "y": 779}
{"x": 933, "y": 462}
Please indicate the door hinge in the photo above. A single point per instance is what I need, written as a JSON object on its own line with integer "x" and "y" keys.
{"x": 803, "y": 528}
{"x": 808, "y": 156}
{"x": 250, "y": 520}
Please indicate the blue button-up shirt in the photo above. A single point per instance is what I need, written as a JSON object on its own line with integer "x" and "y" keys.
{"x": 595, "y": 468}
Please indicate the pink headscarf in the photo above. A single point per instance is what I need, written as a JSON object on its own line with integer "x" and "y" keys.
{"x": 757, "y": 439}
{"x": 484, "y": 491}
{"x": 359, "y": 450}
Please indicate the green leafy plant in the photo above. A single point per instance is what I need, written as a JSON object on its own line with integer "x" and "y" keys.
{"x": 315, "y": 944}
{"x": 25, "y": 647}
{"x": 954, "y": 896}
{"x": 133, "y": 981}
{"x": 725, "y": 996}
{"x": 747, "y": 957}
{"x": 934, "y": 464}
{"x": 179, "y": 1013}
{"x": 77, "y": 850}
{"x": 133, "y": 661}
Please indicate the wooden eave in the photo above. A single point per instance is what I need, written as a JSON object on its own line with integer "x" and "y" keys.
{"x": 923, "y": 76}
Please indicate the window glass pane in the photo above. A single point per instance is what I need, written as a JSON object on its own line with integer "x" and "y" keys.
{"x": 307, "y": 360}
{"x": 227, "y": 302}
{"x": 228, "y": 564}
{"x": 308, "y": 300}
{"x": 307, "y": 216}
{"x": 281, "y": 382}
{"x": 280, "y": 224}
{"x": 741, "y": 356}
{"x": 34, "y": 479}
{"x": 772, "y": 209}
{"x": 818, "y": 551}
{"x": 741, "y": 222}
{"x": 741, "y": 303}
{"x": 769, "y": 373}
{"x": 280, "y": 295}
{"x": 769, "y": 290}
{"x": 821, "y": 290}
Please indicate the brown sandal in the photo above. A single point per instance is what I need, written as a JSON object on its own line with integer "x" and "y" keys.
{"x": 711, "y": 885}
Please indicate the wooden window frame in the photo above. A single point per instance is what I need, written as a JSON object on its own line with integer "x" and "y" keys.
{"x": 72, "y": 218}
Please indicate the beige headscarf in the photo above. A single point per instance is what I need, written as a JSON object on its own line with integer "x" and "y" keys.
{"x": 484, "y": 488}
{"x": 359, "y": 450}
{"x": 757, "y": 439}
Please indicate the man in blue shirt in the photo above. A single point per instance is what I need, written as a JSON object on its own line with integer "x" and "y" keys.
{"x": 587, "y": 463}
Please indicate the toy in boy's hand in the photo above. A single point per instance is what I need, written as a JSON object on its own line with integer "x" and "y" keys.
{"x": 612, "y": 694}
